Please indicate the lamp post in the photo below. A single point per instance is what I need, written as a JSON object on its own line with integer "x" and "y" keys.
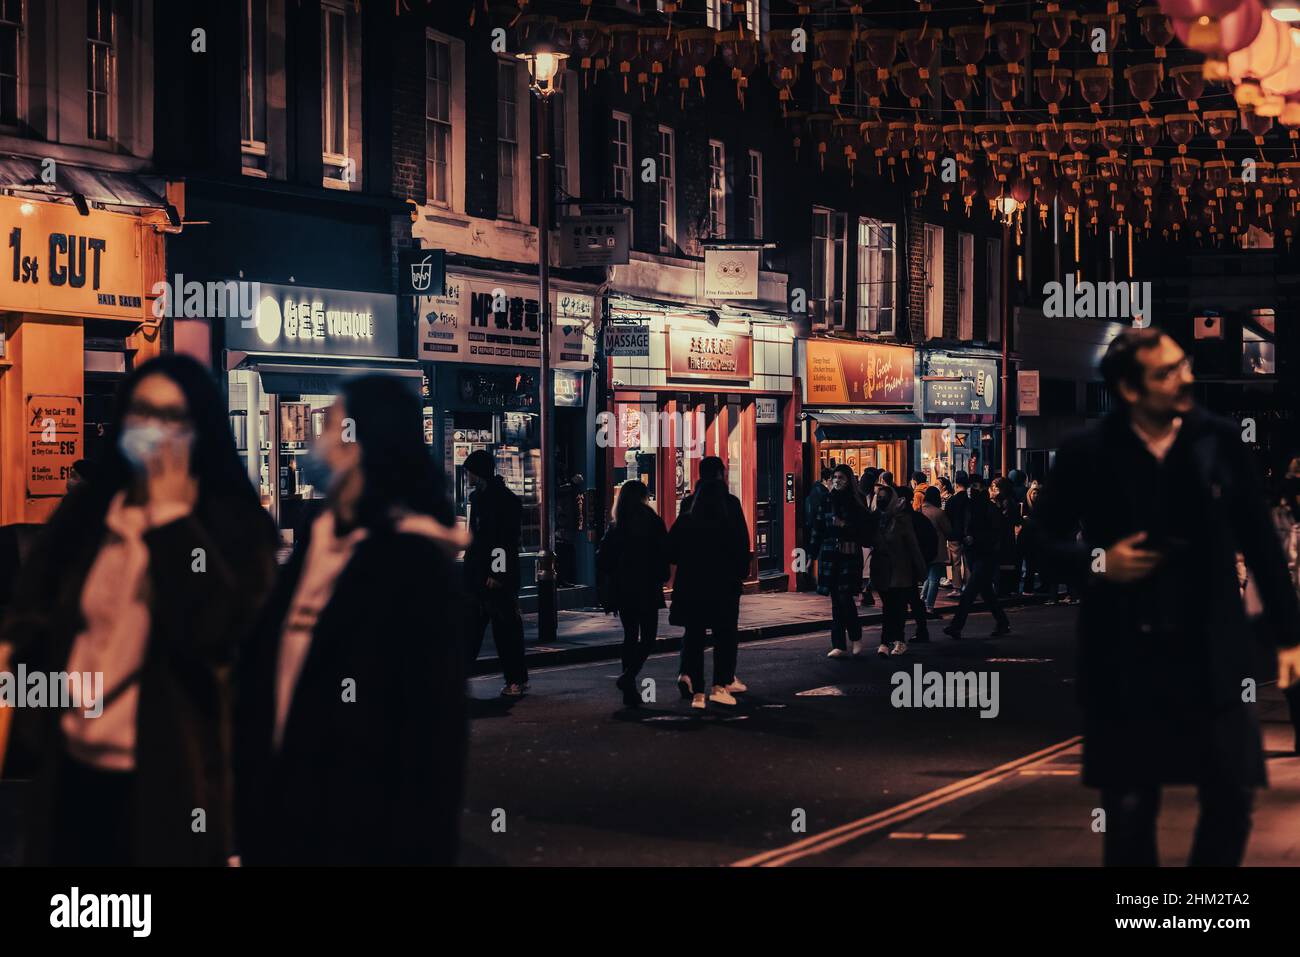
{"x": 544, "y": 65}
{"x": 1007, "y": 205}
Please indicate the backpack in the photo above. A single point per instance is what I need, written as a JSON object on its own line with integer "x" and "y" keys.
{"x": 926, "y": 536}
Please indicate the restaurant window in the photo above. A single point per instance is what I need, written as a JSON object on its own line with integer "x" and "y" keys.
{"x": 993, "y": 272}
{"x": 667, "y": 191}
{"x": 755, "y": 194}
{"x": 876, "y": 276}
{"x": 507, "y": 139}
{"x": 11, "y": 25}
{"x": 828, "y": 268}
{"x": 637, "y": 440}
{"x": 437, "y": 121}
{"x": 1258, "y": 348}
{"x": 965, "y": 286}
{"x": 99, "y": 67}
{"x": 934, "y": 282}
{"x": 717, "y": 190}
{"x": 252, "y": 114}
{"x": 513, "y": 439}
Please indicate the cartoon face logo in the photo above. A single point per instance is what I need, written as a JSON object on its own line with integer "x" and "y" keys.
{"x": 731, "y": 270}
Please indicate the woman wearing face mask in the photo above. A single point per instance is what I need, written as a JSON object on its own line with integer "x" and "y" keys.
{"x": 148, "y": 574}
{"x": 350, "y": 715}
{"x": 843, "y": 528}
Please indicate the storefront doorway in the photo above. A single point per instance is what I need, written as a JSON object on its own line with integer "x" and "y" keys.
{"x": 769, "y": 546}
{"x": 858, "y": 454}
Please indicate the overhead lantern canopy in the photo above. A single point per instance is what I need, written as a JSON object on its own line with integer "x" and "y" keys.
{"x": 739, "y": 52}
{"x": 831, "y": 68}
{"x": 783, "y": 63}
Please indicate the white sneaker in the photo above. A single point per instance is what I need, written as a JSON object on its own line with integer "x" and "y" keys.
{"x": 836, "y": 653}
{"x": 737, "y": 686}
{"x": 883, "y": 650}
{"x": 697, "y": 702}
{"x": 900, "y": 648}
{"x": 721, "y": 695}
{"x": 857, "y": 648}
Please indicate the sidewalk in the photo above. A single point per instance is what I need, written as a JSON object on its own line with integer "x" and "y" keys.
{"x": 590, "y": 635}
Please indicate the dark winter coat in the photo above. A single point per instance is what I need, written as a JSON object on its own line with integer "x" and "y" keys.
{"x": 632, "y": 564}
{"x": 896, "y": 559}
{"x": 376, "y": 779}
{"x": 495, "y": 517}
{"x": 712, "y": 558}
{"x": 1163, "y": 662}
{"x": 839, "y": 571}
{"x": 182, "y": 748}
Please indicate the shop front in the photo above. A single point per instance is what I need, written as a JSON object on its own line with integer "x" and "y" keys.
{"x": 75, "y": 321}
{"x": 960, "y": 406}
{"x": 859, "y": 407}
{"x": 708, "y": 384}
{"x": 284, "y": 366}
{"x": 480, "y": 345}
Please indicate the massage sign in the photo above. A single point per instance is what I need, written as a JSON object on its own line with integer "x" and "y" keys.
{"x": 61, "y": 262}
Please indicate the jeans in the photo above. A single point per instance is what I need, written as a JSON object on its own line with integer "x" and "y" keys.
{"x": 895, "y": 603}
{"x": 1222, "y": 828}
{"x": 930, "y": 590}
{"x": 507, "y": 633}
{"x": 725, "y": 648}
{"x": 844, "y": 620}
{"x": 639, "y": 629}
{"x": 983, "y": 568}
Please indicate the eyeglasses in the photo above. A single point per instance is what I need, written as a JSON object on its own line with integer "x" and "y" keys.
{"x": 1178, "y": 368}
{"x": 169, "y": 415}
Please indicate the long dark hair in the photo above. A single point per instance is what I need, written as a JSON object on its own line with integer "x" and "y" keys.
{"x": 397, "y": 467}
{"x": 852, "y": 492}
{"x": 709, "y": 503}
{"x": 628, "y": 509}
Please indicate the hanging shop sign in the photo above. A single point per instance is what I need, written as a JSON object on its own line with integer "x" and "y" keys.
{"x": 296, "y": 320}
{"x": 421, "y": 272}
{"x": 62, "y": 262}
{"x": 568, "y": 388}
{"x": 765, "y": 411}
{"x": 594, "y": 240}
{"x": 980, "y": 373}
{"x": 54, "y": 437}
{"x": 948, "y": 397}
{"x": 694, "y": 354}
{"x": 1027, "y": 383}
{"x": 730, "y": 273}
{"x": 627, "y": 339}
{"x": 498, "y": 323}
{"x": 859, "y": 373}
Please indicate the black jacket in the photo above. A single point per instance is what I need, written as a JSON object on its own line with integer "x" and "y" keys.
{"x": 1163, "y": 662}
{"x": 632, "y": 564}
{"x": 495, "y": 516}
{"x": 182, "y": 751}
{"x": 377, "y": 779}
{"x": 712, "y": 559}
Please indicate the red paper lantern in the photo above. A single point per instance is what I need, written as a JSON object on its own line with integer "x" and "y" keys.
{"x": 1144, "y": 83}
{"x": 1052, "y": 137}
{"x": 1054, "y": 29}
{"x": 1094, "y": 86}
{"x": 1229, "y": 32}
{"x": 957, "y": 84}
{"x": 1157, "y": 28}
{"x": 1004, "y": 84}
{"x": 910, "y": 83}
{"x": 881, "y": 49}
{"x": 1189, "y": 81}
{"x": 870, "y": 84}
{"x": 922, "y": 47}
{"x": 1053, "y": 86}
{"x": 783, "y": 63}
{"x": 1079, "y": 136}
{"x": 1146, "y": 132}
{"x": 739, "y": 51}
{"x": 1012, "y": 39}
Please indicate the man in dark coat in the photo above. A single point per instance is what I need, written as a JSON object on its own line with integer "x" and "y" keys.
{"x": 1166, "y": 677}
{"x": 492, "y": 571}
{"x": 980, "y": 535}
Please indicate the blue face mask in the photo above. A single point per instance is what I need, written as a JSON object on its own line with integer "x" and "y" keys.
{"x": 315, "y": 471}
{"x": 140, "y": 443}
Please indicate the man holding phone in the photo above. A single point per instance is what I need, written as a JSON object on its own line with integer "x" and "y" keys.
{"x": 1165, "y": 495}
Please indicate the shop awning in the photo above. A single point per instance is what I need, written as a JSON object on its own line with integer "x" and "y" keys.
{"x": 107, "y": 187}
{"x": 860, "y": 425}
{"x": 282, "y": 374}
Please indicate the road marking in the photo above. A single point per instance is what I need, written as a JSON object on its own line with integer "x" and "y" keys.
{"x": 825, "y": 841}
{"x": 1065, "y": 772}
{"x": 919, "y": 836}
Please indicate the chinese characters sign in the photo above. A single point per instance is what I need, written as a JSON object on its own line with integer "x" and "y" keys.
{"x": 306, "y": 321}
{"x": 54, "y": 437}
{"x": 480, "y": 321}
{"x": 709, "y": 355}
{"x": 594, "y": 240}
{"x": 859, "y": 373}
{"x": 981, "y": 375}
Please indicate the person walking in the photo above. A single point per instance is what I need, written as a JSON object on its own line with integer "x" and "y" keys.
{"x": 350, "y": 720}
{"x": 491, "y": 567}
{"x": 932, "y": 511}
{"x": 920, "y": 482}
{"x": 867, "y": 486}
{"x": 568, "y": 514}
{"x": 631, "y": 568}
{"x": 1163, "y": 646}
{"x": 957, "y": 507}
{"x": 897, "y": 565}
{"x": 711, "y": 552}
{"x": 1011, "y": 517}
{"x": 150, "y": 574}
{"x": 812, "y": 509}
{"x": 927, "y": 541}
{"x": 844, "y": 527}
{"x": 983, "y": 535}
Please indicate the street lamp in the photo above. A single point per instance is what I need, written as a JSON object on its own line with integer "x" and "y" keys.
{"x": 1008, "y": 205}
{"x": 544, "y": 66}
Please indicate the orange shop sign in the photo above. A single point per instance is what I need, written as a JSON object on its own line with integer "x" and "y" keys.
{"x": 57, "y": 261}
{"x": 709, "y": 355}
{"x": 859, "y": 373}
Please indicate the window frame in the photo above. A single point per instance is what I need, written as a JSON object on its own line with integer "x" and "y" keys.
{"x": 109, "y": 48}
{"x": 433, "y": 122}
{"x": 18, "y": 26}
{"x": 830, "y": 277}
{"x": 933, "y": 271}
{"x": 337, "y": 160}
{"x": 508, "y": 69}
{"x": 667, "y": 199}
{"x": 965, "y": 286}
{"x": 254, "y": 151}
{"x": 876, "y": 261}
{"x": 755, "y": 195}
{"x": 717, "y": 189}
